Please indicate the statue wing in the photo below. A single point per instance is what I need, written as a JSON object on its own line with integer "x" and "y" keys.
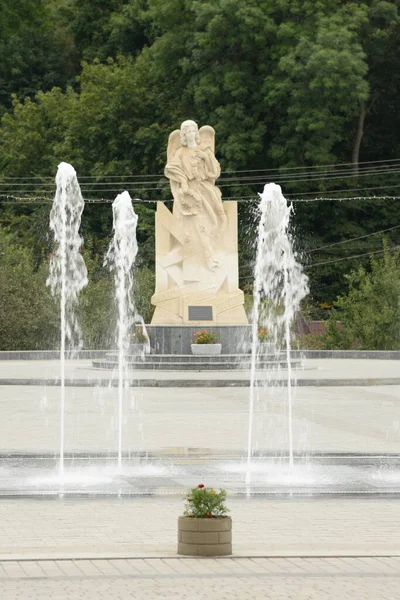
{"x": 174, "y": 143}
{"x": 207, "y": 137}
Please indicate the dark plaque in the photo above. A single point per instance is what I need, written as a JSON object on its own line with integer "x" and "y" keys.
{"x": 200, "y": 313}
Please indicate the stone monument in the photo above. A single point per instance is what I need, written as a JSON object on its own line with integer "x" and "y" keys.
{"x": 196, "y": 244}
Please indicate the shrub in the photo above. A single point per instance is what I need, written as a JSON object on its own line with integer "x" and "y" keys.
{"x": 204, "y": 337}
{"x": 203, "y": 503}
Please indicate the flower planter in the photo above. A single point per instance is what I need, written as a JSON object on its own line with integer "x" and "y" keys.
{"x": 206, "y": 349}
{"x": 205, "y": 537}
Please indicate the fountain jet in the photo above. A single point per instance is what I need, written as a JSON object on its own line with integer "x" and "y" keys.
{"x": 120, "y": 259}
{"x": 279, "y": 286}
{"x": 68, "y": 274}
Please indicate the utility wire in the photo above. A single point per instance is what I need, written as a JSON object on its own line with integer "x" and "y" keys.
{"x": 330, "y": 262}
{"x": 14, "y": 199}
{"x": 380, "y": 165}
{"x": 309, "y": 168}
{"x": 361, "y": 237}
{"x": 250, "y": 180}
{"x": 348, "y": 241}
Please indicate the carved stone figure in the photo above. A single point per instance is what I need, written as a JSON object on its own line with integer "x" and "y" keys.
{"x": 192, "y": 170}
{"x": 196, "y": 245}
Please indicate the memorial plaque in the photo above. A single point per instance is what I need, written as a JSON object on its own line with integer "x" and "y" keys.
{"x": 200, "y": 313}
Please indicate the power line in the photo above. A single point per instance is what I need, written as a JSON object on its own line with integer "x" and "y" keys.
{"x": 13, "y": 199}
{"x": 279, "y": 170}
{"x": 380, "y": 166}
{"x": 348, "y": 241}
{"x": 383, "y": 187}
{"x": 251, "y": 180}
{"x": 368, "y": 162}
{"x": 328, "y": 262}
{"x": 361, "y": 237}
{"x": 317, "y": 176}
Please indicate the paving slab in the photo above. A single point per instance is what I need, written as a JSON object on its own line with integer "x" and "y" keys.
{"x": 251, "y": 579}
{"x": 312, "y": 372}
{"x": 106, "y": 528}
{"x": 212, "y": 421}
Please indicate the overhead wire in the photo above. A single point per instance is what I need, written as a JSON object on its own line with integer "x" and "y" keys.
{"x": 347, "y": 241}
{"x": 14, "y": 199}
{"x": 279, "y": 170}
{"x": 329, "y": 262}
{"x": 224, "y": 180}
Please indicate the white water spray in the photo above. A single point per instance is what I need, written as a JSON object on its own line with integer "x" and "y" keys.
{"x": 68, "y": 274}
{"x": 120, "y": 258}
{"x": 279, "y": 286}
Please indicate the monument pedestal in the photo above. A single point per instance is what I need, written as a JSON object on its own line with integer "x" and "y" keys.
{"x": 190, "y": 290}
{"x": 176, "y": 339}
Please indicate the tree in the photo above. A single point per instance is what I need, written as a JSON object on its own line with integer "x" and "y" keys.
{"x": 28, "y": 315}
{"x": 370, "y": 311}
{"x": 34, "y": 54}
{"x": 318, "y": 80}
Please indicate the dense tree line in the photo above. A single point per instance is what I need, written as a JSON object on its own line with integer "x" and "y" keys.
{"x": 299, "y": 92}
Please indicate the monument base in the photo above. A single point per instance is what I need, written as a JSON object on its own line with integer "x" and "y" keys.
{"x": 176, "y": 339}
{"x": 201, "y": 315}
{"x": 188, "y": 291}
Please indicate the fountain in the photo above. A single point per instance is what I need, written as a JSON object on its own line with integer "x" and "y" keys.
{"x": 68, "y": 274}
{"x": 120, "y": 259}
{"x": 182, "y": 435}
{"x": 279, "y": 286}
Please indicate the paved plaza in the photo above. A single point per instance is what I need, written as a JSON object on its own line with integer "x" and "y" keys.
{"x": 117, "y": 549}
{"x": 188, "y": 579}
{"x": 124, "y": 547}
{"x": 314, "y": 370}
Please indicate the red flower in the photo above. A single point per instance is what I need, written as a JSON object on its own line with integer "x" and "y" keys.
{"x": 208, "y": 514}
{"x": 201, "y": 485}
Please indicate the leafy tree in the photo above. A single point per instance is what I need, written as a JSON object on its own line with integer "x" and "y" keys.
{"x": 370, "y": 311}
{"x": 34, "y": 54}
{"x": 28, "y": 315}
{"x": 319, "y": 80}
{"x": 143, "y": 289}
{"x": 105, "y": 28}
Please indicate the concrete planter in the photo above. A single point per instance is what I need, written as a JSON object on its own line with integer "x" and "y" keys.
{"x": 206, "y": 349}
{"x": 205, "y": 537}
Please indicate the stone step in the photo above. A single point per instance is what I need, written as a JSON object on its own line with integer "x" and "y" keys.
{"x": 219, "y": 358}
{"x": 144, "y": 365}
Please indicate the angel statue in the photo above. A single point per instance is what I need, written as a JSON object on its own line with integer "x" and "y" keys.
{"x": 192, "y": 170}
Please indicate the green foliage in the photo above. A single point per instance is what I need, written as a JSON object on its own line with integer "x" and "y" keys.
{"x": 29, "y": 317}
{"x": 144, "y": 282}
{"x": 204, "y": 337}
{"x": 370, "y": 311}
{"x": 34, "y": 54}
{"x": 97, "y": 307}
{"x": 97, "y": 314}
{"x": 203, "y": 503}
{"x": 138, "y": 335}
{"x": 321, "y": 66}
{"x": 129, "y": 71}
{"x": 310, "y": 342}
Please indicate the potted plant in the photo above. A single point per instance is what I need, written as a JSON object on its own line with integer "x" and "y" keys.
{"x": 205, "y": 343}
{"x": 205, "y": 529}
{"x": 139, "y": 340}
